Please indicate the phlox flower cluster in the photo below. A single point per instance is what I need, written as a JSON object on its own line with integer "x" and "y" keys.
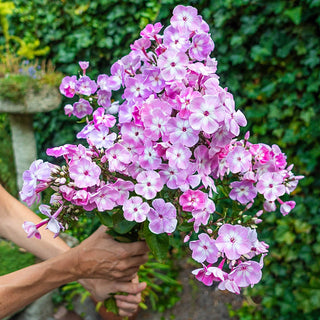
{"x": 166, "y": 152}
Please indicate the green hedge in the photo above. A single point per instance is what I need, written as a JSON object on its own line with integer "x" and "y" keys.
{"x": 269, "y": 58}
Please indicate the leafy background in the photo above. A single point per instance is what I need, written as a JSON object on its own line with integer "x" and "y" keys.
{"x": 269, "y": 57}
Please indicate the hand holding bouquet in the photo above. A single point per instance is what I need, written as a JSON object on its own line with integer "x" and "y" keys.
{"x": 166, "y": 157}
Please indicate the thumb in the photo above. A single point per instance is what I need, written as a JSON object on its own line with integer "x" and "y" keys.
{"x": 131, "y": 288}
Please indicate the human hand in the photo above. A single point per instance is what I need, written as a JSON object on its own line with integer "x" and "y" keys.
{"x": 101, "y": 289}
{"x": 99, "y": 256}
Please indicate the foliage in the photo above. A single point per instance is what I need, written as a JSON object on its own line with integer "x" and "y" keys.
{"x": 14, "y": 258}
{"x": 268, "y": 55}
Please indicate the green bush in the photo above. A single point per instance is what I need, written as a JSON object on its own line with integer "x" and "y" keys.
{"x": 269, "y": 56}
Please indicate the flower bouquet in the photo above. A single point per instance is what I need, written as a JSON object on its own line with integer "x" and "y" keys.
{"x": 166, "y": 158}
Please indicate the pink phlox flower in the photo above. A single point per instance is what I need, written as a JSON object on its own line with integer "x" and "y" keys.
{"x": 220, "y": 139}
{"x": 117, "y": 77}
{"x": 126, "y": 110}
{"x": 123, "y": 187}
{"x": 172, "y": 177}
{"x": 85, "y": 131}
{"x": 173, "y": 65}
{"x": 270, "y": 184}
{"x": 246, "y": 273}
{"x": 134, "y": 209}
{"x": 212, "y": 86}
{"x": 187, "y": 179}
{"x": 208, "y": 274}
{"x": 286, "y": 207}
{"x": 201, "y": 217}
{"x": 162, "y": 217}
{"x": 175, "y": 39}
{"x": 151, "y": 31}
{"x": 260, "y": 152}
{"x": 68, "y": 110}
{"x": 140, "y": 47}
{"x": 101, "y": 118}
{"x": 243, "y": 191}
{"x": 80, "y": 197}
{"x": 154, "y": 105}
{"x": 82, "y": 108}
{"x": 84, "y": 65}
{"x": 230, "y": 285}
{"x": 32, "y": 230}
{"x": 118, "y": 158}
{"x": 184, "y": 99}
{"x": 203, "y": 161}
{"x": 204, "y": 69}
{"x": 233, "y": 241}
{"x": 68, "y": 86}
{"x": 149, "y": 158}
{"x": 257, "y": 247}
{"x": 154, "y": 79}
{"x": 84, "y": 172}
{"x": 149, "y": 184}
{"x": 52, "y": 224}
{"x": 105, "y": 198}
{"x": 269, "y": 206}
{"x": 178, "y": 156}
{"x": 85, "y": 86}
{"x": 206, "y": 114}
{"x": 192, "y": 200}
{"x": 204, "y": 249}
{"x": 155, "y": 124}
{"x": 185, "y": 18}
{"x": 201, "y": 47}
{"x": 104, "y": 98}
{"x": 133, "y": 133}
{"x": 279, "y": 158}
{"x": 136, "y": 88}
{"x": 67, "y": 192}
{"x": 101, "y": 138}
{"x": 239, "y": 160}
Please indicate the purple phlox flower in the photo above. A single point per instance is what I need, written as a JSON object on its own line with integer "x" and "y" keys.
{"x": 172, "y": 177}
{"x": 201, "y": 47}
{"x": 118, "y": 158}
{"x": 104, "y": 98}
{"x": 103, "y": 82}
{"x": 286, "y": 207}
{"x": 185, "y": 18}
{"x": 136, "y": 88}
{"x": 188, "y": 179}
{"x": 101, "y": 118}
{"x": 140, "y": 46}
{"x": 84, "y": 65}
{"x": 118, "y": 75}
{"x": 230, "y": 285}
{"x": 149, "y": 184}
{"x": 134, "y": 209}
{"x": 270, "y": 184}
{"x": 180, "y": 131}
{"x": 126, "y": 110}
{"x": 123, "y": 187}
{"x": 204, "y": 249}
{"x": 162, "y": 217}
{"x": 178, "y": 156}
{"x": 52, "y": 224}
{"x": 211, "y": 86}
{"x": 192, "y": 200}
{"x": 175, "y": 39}
{"x": 85, "y": 173}
{"x": 68, "y": 110}
{"x": 269, "y": 206}
{"x": 105, "y": 198}
{"x": 68, "y": 86}
{"x": 233, "y": 241}
{"x": 154, "y": 79}
{"x": 202, "y": 216}
{"x": 246, "y": 273}
{"x": 101, "y": 138}
{"x": 243, "y": 191}
{"x": 85, "y": 131}
{"x": 184, "y": 99}
{"x": 151, "y": 31}
{"x": 149, "y": 158}
{"x": 86, "y": 86}
{"x": 82, "y": 108}
{"x": 239, "y": 160}
{"x": 206, "y": 114}
{"x": 173, "y": 65}
{"x": 203, "y": 161}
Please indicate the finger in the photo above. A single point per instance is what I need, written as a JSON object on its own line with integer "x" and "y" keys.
{"x": 125, "y": 307}
{"x": 131, "y": 288}
{"x": 135, "y": 261}
{"x": 131, "y": 298}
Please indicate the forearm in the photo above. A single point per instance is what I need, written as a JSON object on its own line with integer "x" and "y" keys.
{"x": 13, "y": 214}
{"x": 22, "y": 287}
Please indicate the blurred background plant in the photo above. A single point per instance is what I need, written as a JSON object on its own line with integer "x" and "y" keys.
{"x": 269, "y": 58}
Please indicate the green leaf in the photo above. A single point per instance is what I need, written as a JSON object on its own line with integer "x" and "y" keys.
{"x": 110, "y": 305}
{"x": 158, "y": 243}
{"x": 121, "y": 225}
{"x": 294, "y": 14}
{"x": 105, "y": 218}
